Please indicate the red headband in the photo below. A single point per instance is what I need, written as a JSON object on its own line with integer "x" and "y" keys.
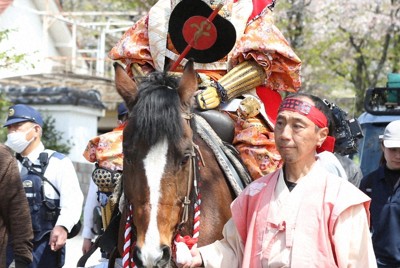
{"x": 306, "y": 109}
{"x": 312, "y": 113}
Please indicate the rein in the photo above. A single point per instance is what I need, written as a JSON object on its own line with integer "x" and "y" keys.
{"x": 181, "y": 245}
{"x": 192, "y": 178}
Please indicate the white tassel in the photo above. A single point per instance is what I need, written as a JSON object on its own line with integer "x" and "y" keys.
{"x": 183, "y": 254}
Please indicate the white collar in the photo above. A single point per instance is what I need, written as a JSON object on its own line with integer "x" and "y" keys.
{"x": 34, "y": 155}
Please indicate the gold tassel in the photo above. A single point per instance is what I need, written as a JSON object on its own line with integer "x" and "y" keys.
{"x": 242, "y": 78}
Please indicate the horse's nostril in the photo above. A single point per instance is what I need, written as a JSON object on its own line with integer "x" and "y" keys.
{"x": 137, "y": 257}
{"x": 166, "y": 256}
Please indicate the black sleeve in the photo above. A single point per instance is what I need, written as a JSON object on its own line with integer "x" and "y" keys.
{"x": 21, "y": 262}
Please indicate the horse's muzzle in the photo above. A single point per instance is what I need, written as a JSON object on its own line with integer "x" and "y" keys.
{"x": 161, "y": 261}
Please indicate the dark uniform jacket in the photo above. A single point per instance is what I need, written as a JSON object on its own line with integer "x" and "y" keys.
{"x": 15, "y": 218}
{"x": 385, "y": 215}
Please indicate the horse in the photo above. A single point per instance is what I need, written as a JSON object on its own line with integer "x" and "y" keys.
{"x": 169, "y": 172}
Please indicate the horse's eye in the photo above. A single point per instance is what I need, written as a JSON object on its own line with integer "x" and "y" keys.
{"x": 185, "y": 159}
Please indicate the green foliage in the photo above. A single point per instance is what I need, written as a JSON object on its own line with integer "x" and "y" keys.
{"x": 4, "y": 104}
{"x": 52, "y": 138}
{"x": 9, "y": 58}
{"x": 346, "y": 47}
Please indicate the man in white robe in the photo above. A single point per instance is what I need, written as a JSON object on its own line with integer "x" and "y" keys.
{"x": 300, "y": 215}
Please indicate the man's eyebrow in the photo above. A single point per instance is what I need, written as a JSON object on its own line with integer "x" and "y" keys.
{"x": 300, "y": 118}
{"x": 295, "y": 117}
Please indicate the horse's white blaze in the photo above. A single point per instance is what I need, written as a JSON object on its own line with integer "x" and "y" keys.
{"x": 154, "y": 165}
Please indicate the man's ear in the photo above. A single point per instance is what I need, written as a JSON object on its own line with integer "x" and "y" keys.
{"x": 38, "y": 129}
{"x": 323, "y": 133}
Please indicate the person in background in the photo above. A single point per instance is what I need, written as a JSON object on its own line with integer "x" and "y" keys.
{"x": 106, "y": 151}
{"x": 382, "y": 185}
{"x": 90, "y": 229}
{"x": 259, "y": 66}
{"x": 334, "y": 159}
{"x": 342, "y": 166}
{"x": 352, "y": 170}
{"x": 300, "y": 215}
{"x": 62, "y": 199}
{"x": 15, "y": 219}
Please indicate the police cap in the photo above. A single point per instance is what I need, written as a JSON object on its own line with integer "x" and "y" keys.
{"x": 122, "y": 110}
{"x": 21, "y": 113}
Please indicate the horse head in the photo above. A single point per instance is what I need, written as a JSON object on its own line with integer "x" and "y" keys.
{"x": 158, "y": 147}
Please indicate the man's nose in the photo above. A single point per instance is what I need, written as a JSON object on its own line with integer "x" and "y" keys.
{"x": 286, "y": 131}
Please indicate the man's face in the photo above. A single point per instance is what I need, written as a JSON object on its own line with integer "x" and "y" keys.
{"x": 297, "y": 137}
{"x": 24, "y": 127}
{"x": 392, "y": 156}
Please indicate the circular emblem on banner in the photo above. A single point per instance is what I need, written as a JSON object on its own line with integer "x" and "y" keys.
{"x": 209, "y": 40}
{"x": 199, "y": 32}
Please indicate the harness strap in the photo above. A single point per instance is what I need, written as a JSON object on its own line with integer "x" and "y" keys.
{"x": 44, "y": 162}
{"x": 181, "y": 245}
{"x": 222, "y": 154}
{"x": 191, "y": 178}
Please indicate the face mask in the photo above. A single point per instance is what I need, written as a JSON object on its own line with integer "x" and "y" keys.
{"x": 17, "y": 141}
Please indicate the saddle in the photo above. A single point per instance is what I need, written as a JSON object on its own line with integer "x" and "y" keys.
{"x": 217, "y": 130}
{"x": 221, "y": 123}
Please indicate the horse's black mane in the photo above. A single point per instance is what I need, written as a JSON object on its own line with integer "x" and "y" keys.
{"x": 156, "y": 113}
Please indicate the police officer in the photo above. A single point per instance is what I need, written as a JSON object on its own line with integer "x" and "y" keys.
{"x": 62, "y": 197}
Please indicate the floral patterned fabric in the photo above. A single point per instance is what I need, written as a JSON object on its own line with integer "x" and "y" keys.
{"x": 106, "y": 150}
{"x": 279, "y": 61}
{"x": 134, "y": 46}
{"x": 256, "y": 146}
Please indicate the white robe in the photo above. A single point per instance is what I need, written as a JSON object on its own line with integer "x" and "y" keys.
{"x": 351, "y": 238}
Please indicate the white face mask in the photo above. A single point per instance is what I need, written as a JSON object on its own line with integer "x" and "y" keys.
{"x": 17, "y": 140}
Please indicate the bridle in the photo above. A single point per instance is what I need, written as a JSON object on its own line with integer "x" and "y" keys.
{"x": 192, "y": 179}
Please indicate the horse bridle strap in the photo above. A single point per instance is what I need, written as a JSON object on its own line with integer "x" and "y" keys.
{"x": 192, "y": 178}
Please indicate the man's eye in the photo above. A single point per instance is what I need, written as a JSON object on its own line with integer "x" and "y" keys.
{"x": 298, "y": 126}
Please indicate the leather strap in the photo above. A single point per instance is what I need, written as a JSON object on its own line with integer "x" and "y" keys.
{"x": 223, "y": 156}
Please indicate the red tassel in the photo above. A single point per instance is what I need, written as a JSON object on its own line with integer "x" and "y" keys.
{"x": 188, "y": 240}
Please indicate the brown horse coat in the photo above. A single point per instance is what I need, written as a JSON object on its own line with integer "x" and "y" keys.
{"x": 159, "y": 146}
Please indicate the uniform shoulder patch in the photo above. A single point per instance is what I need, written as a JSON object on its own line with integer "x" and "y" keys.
{"x": 55, "y": 154}
{"x": 58, "y": 155}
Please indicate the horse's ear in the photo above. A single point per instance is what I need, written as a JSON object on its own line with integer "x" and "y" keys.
{"x": 188, "y": 84}
{"x": 125, "y": 86}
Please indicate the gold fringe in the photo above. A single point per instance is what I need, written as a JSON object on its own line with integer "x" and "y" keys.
{"x": 243, "y": 77}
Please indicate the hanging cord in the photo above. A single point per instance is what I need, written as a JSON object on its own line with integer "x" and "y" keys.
{"x": 183, "y": 244}
{"x": 127, "y": 260}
